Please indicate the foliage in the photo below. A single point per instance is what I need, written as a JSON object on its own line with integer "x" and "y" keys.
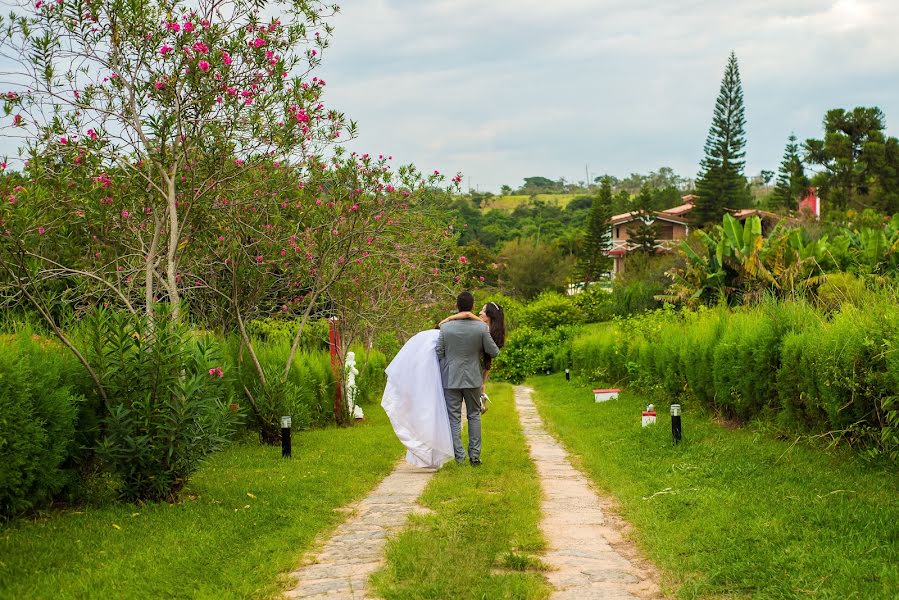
{"x": 643, "y": 237}
{"x": 791, "y": 180}
{"x": 167, "y": 406}
{"x": 735, "y": 264}
{"x": 598, "y": 238}
{"x": 777, "y": 359}
{"x": 551, "y": 310}
{"x": 593, "y": 302}
{"x": 530, "y": 351}
{"x": 38, "y": 419}
{"x": 860, "y": 163}
{"x": 531, "y": 266}
{"x": 721, "y": 183}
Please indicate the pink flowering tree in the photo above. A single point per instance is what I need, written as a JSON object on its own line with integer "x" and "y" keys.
{"x": 182, "y": 153}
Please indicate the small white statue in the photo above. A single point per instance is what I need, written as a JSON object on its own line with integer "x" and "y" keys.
{"x": 352, "y": 390}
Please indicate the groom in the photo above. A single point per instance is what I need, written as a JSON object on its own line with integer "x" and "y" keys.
{"x": 459, "y": 348}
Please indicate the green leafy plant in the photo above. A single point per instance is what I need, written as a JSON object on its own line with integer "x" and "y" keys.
{"x": 168, "y": 399}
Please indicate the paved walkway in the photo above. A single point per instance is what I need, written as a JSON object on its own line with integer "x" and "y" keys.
{"x": 356, "y": 550}
{"x": 585, "y": 565}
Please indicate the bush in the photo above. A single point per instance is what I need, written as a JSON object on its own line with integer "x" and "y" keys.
{"x": 595, "y": 304}
{"x": 551, "y": 310}
{"x": 839, "y": 289}
{"x": 307, "y": 395}
{"x": 167, "y": 400}
{"x": 38, "y": 412}
{"x": 528, "y": 352}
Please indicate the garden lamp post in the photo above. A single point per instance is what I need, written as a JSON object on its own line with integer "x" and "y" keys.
{"x": 285, "y": 437}
{"x": 675, "y": 423}
{"x": 567, "y": 375}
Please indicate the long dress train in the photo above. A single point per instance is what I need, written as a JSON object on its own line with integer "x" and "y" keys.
{"x": 413, "y": 399}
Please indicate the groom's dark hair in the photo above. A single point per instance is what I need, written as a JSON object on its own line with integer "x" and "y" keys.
{"x": 464, "y": 301}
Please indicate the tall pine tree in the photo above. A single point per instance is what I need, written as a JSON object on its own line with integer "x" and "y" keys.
{"x": 721, "y": 183}
{"x": 791, "y": 180}
{"x": 598, "y": 237}
{"x": 643, "y": 237}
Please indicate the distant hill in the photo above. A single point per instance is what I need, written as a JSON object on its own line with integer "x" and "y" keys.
{"x": 511, "y": 202}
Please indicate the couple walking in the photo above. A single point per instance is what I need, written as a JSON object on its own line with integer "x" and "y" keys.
{"x": 433, "y": 374}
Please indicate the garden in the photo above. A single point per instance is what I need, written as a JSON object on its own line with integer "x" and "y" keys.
{"x": 189, "y": 253}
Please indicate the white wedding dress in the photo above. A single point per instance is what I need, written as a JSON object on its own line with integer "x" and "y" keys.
{"x": 413, "y": 399}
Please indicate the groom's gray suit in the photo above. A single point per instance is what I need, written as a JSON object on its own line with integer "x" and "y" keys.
{"x": 459, "y": 348}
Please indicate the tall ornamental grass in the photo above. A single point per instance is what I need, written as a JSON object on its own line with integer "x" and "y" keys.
{"x": 784, "y": 360}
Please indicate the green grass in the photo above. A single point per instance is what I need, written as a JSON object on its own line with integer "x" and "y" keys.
{"x": 482, "y": 539}
{"x": 734, "y": 513}
{"x": 511, "y": 202}
{"x": 246, "y": 519}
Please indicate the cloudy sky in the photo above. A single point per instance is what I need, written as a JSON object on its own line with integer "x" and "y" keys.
{"x": 505, "y": 89}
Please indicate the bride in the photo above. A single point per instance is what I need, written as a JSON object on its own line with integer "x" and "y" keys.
{"x": 413, "y": 397}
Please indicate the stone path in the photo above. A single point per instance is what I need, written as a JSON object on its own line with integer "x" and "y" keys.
{"x": 584, "y": 563}
{"x": 356, "y": 550}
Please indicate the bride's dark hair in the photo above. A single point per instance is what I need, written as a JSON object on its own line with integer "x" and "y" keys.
{"x": 497, "y": 328}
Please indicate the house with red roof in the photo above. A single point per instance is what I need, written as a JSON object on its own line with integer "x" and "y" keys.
{"x": 672, "y": 225}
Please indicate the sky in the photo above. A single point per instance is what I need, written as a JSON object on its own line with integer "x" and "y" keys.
{"x": 500, "y": 90}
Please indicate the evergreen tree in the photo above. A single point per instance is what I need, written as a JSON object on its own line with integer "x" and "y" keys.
{"x": 721, "y": 183}
{"x": 643, "y": 237}
{"x": 791, "y": 179}
{"x": 598, "y": 237}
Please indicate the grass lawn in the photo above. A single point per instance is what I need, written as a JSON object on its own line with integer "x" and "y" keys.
{"x": 735, "y": 513}
{"x": 245, "y": 520}
{"x": 481, "y": 539}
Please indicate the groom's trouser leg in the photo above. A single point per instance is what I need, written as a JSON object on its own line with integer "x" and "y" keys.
{"x": 473, "y": 409}
{"x": 454, "y": 411}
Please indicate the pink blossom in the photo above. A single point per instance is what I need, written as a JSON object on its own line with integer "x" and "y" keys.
{"x": 92, "y": 134}
{"x": 216, "y": 372}
{"x": 125, "y": 214}
{"x": 463, "y": 260}
{"x": 188, "y": 27}
{"x": 259, "y": 259}
{"x": 165, "y": 49}
{"x": 40, "y": 230}
{"x": 221, "y": 238}
{"x": 314, "y": 52}
{"x": 12, "y": 199}
{"x": 226, "y": 58}
{"x": 173, "y": 26}
{"x": 200, "y": 48}
{"x": 17, "y": 120}
{"x": 120, "y": 268}
{"x": 148, "y": 210}
{"x": 204, "y": 65}
{"x": 2, "y": 165}
{"x": 63, "y": 140}
{"x": 258, "y": 43}
{"x": 159, "y": 85}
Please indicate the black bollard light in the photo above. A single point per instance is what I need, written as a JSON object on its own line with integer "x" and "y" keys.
{"x": 675, "y": 423}
{"x": 285, "y": 437}
{"x": 567, "y": 375}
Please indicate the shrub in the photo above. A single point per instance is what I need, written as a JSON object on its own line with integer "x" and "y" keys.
{"x": 595, "y": 304}
{"x": 307, "y": 395}
{"x": 167, "y": 402}
{"x": 527, "y": 352}
{"x": 38, "y": 412}
{"x": 551, "y": 310}
{"x": 745, "y": 362}
{"x": 839, "y": 289}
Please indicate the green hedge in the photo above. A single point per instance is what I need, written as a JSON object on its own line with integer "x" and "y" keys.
{"x": 783, "y": 360}
{"x": 38, "y": 416}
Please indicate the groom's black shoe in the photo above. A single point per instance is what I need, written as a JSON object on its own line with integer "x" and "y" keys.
{"x": 475, "y": 462}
